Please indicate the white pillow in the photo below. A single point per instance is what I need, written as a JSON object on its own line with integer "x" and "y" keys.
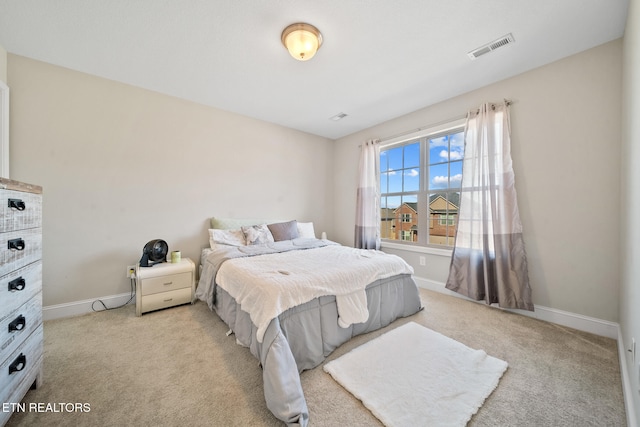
{"x": 257, "y": 234}
{"x": 226, "y": 237}
{"x": 305, "y": 229}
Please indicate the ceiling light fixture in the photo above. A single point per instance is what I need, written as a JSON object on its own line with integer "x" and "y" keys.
{"x": 301, "y": 40}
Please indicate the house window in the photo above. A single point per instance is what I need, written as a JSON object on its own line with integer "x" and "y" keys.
{"x": 447, "y": 220}
{"x": 420, "y": 178}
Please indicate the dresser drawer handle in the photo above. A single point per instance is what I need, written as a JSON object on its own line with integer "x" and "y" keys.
{"x": 168, "y": 300}
{"x": 17, "y": 204}
{"x": 168, "y": 283}
{"x": 16, "y": 244}
{"x": 17, "y": 284}
{"x": 18, "y": 324}
{"x": 19, "y": 364}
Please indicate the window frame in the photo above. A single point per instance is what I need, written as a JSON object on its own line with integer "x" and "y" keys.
{"x": 422, "y": 135}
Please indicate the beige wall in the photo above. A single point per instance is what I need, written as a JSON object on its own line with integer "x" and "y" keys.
{"x": 121, "y": 166}
{"x": 566, "y": 155}
{"x": 630, "y": 207}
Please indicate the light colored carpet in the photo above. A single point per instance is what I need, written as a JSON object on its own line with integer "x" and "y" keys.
{"x": 177, "y": 367}
{"x": 413, "y": 376}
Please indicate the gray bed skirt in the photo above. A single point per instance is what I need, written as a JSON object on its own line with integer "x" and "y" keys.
{"x": 303, "y": 336}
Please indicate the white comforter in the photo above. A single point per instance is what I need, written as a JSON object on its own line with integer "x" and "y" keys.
{"x": 267, "y": 285}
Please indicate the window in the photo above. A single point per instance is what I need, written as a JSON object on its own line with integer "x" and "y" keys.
{"x": 420, "y": 178}
{"x": 447, "y": 220}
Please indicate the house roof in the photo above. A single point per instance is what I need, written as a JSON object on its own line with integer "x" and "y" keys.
{"x": 453, "y": 198}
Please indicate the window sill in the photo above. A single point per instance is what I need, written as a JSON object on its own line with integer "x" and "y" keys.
{"x": 419, "y": 249}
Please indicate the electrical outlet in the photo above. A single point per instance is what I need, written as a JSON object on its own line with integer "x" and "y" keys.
{"x": 423, "y": 261}
{"x": 131, "y": 271}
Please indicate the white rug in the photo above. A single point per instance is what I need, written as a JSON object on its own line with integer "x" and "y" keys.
{"x": 413, "y": 376}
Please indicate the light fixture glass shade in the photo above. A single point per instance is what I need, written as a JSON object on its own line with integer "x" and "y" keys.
{"x": 301, "y": 40}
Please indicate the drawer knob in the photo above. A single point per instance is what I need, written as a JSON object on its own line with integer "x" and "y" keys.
{"x": 17, "y": 324}
{"x": 16, "y": 244}
{"x": 17, "y": 204}
{"x": 17, "y": 284}
{"x": 18, "y": 364}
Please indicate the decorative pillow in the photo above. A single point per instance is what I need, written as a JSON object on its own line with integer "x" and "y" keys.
{"x": 305, "y": 229}
{"x": 226, "y": 237}
{"x": 257, "y": 234}
{"x": 284, "y": 230}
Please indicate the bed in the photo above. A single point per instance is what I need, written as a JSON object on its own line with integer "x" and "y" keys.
{"x": 292, "y": 299}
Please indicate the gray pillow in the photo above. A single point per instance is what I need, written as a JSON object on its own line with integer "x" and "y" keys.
{"x": 284, "y": 230}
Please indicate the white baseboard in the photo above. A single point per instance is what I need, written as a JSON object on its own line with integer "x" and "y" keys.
{"x": 78, "y": 308}
{"x": 592, "y": 325}
{"x": 627, "y": 388}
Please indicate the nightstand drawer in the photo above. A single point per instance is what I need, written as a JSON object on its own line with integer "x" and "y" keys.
{"x": 16, "y": 326}
{"x": 171, "y": 282}
{"x": 20, "y": 210}
{"x": 19, "y": 286}
{"x": 166, "y": 299}
{"x": 19, "y": 248}
{"x": 20, "y": 365}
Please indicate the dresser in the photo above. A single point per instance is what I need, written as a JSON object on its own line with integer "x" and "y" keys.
{"x": 164, "y": 285}
{"x": 21, "y": 334}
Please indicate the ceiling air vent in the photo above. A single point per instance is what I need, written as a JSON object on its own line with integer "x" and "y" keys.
{"x": 489, "y": 47}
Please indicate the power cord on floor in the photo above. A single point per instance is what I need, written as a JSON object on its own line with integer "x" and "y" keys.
{"x": 133, "y": 295}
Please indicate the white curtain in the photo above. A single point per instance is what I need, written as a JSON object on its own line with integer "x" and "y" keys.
{"x": 367, "y": 233}
{"x": 489, "y": 260}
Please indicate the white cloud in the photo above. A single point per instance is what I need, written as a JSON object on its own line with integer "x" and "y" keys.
{"x": 391, "y": 171}
{"x": 438, "y": 142}
{"x": 412, "y": 172}
{"x": 456, "y": 155}
{"x": 440, "y": 180}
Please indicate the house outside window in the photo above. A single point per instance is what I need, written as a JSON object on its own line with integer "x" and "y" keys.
{"x": 420, "y": 178}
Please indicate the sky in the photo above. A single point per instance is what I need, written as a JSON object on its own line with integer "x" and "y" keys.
{"x": 400, "y": 167}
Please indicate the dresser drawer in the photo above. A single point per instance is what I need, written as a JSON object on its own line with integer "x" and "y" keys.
{"x": 19, "y": 324}
{"x": 19, "y": 286}
{"x": 19, "y": 210}
{"x": 165, "y": 299}
{"x": 19, "y": 248}
{"x": 154, "y": 285}
{"x": 21, "y": 366}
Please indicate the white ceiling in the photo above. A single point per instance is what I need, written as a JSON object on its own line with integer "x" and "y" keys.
{"x": 380, "y": 59}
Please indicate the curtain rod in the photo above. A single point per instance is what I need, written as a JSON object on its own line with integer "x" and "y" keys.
{"x": 388, "y": 138}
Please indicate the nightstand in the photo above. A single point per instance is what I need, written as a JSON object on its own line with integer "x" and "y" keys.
{"x": 164, "y": 285}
